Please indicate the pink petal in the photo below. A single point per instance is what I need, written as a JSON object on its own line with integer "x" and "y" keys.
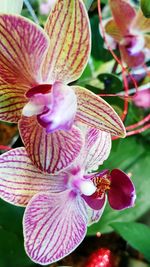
{"x": 54, "y": 225}
{"x": 50, "y": 152}
{"x": 132, "y": 60}
{"x": 96, "y": 149}
{"x": 94, "y": 203}
{"x": 123, "y": 14}
{"x": 122, "y": 192}
{"x": 142, "y": 99}
{"x": 69, "y": 32}
{"x": 12, "y": 101}
{"x": 61, "y": 114}
{"x": 22, "y": 49}
{"x": 93, "y": 111}
{"x": 95, "y": 215}
{"x": 20, "y": 180}
{"x": 45, "y": 7}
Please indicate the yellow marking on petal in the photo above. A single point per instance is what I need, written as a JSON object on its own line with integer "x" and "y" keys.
{"x": 102, "y": 184}
{"x": 12, "y": 101}
{"x": 113, "y": 30}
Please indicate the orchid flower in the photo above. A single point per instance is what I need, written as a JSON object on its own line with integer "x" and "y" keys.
{"x": 130, "y": 30}
{"x": 60, "y": 207}
{"x": 11, "y": 6}
{"x": 35, "y": 67}
{"x": 142, "y": 98}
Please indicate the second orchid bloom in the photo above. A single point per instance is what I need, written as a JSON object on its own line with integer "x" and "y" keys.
{"x": 60, "y": 207}
{"x": 129, "y": 30}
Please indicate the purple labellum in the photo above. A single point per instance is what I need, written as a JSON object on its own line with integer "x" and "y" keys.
{"x": 122, "y": 191}
{"x": 119, "y": 188}
{"x": 39, "y": 89}
{"x": 55, "y": 106}
{"x": 133, "y": 44}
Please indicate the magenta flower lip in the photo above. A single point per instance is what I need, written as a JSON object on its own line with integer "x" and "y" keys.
{"x": 38, "y": 89}
{"x": 118, "y": 186}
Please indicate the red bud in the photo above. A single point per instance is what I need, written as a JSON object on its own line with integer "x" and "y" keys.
{"x": 101, "y": 258}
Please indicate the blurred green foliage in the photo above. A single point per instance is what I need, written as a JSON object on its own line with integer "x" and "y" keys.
{"x": 136, "y": 234}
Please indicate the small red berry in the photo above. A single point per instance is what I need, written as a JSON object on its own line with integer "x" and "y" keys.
{"x": 101, "y": 258}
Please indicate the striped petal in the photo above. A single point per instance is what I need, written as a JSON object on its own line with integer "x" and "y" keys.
{"x": 54, "y": 225}
{"x": 97, "y": 113}
{"x": 50, "y": 152}
{"x": 96, "y": 149}
{"x": 12, "y": 101}
{"x": 69, "y": 32}
{"x": 20, "y": 180}
{"x": 123, "y": 14}
{"x": 22, "y": 48}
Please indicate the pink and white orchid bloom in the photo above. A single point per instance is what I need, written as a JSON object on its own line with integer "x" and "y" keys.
{"x": 35, "y": 67}
{"x": 130, "y": 30}
{"x": 60, "y": 207}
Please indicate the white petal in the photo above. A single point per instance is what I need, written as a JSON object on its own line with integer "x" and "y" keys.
{"x": 31, "y": 109}
{"x": 54, "y": 225}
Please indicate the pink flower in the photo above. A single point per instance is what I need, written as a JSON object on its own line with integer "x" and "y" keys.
{"x": 142, "y": 99}
{"x": 129, "y": 28}
{"x": 46, "y": 6}
{"x": 60, "y": 207}
{"x": 35, "y": 67}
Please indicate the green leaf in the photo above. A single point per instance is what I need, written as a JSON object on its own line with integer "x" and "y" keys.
{"x": 137, "y": 263}
{"x": 12, "y": 251}
{"x": 145, "y": 6}
{"x": 112, "y": 83}
{"x": 98, "y": 50}
{"x": 136, "y": 234}
{"x": 131, "y": 156}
